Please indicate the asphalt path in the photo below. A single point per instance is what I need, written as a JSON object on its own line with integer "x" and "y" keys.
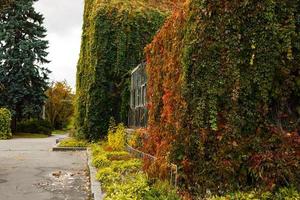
{"x": 29, "y": 170}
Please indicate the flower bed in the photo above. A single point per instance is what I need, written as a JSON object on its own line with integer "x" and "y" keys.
{"x": 121, "y": 177}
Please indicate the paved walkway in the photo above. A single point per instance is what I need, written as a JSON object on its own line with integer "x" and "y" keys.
{"x": 29, "y": 170}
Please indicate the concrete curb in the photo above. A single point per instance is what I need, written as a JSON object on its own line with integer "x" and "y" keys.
{"x": 95, "y": 185}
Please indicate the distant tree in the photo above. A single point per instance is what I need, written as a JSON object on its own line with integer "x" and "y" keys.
{"x": 23, "y": 81}
{"x": 59, "y": 105}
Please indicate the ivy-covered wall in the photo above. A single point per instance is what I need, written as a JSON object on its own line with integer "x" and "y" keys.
{"x": 224, "y": 90}
{"x": 167, "y": 106}
{"x": 114, "y": 36}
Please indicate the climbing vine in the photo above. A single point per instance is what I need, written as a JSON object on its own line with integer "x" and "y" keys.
{"x": 225, "y": 104}
{"x": 114, "y": 36}
{"x": 166, "y": 104}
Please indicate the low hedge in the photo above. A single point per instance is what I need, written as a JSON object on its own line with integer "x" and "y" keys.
{"x": 35, "y": 126}
{"x": 5, "y": 120}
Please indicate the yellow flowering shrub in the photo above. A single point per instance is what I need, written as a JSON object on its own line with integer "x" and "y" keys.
{"x": 116, "y": 137}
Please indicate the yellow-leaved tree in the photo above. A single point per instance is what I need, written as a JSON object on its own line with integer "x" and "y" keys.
{"x": 59, "y": 105}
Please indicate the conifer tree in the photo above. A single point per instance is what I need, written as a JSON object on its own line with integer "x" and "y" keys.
{"x": 23, "y": 80}
{"x": 4, "y": 3}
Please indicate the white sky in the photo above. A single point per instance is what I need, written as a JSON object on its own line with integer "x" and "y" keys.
{"x": 63, "y": 21}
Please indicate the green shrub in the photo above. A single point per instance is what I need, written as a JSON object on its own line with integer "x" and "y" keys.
{"x": 136, "y": 139}
{"x": 35, "y": 126}
{"x": 107, "y": 176}
{"x": 281, "y": 194}
{"x": 287, "y": 194}
{"x": 5, "y": 121}
{"x": 72, "y": 142}
{"x": 116, "y": 138}
{"x": 122, "y": 178}
{"x": 97, "y": 149}
{"x": 118, "y": 155}
{"x": 134, "y": 188}
{"x": 161, "y": 190}
{"x": 100, "y": 161}
{"x": 126, "y": 166}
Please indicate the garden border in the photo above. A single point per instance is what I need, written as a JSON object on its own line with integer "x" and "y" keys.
{"x": 95, "y": 185}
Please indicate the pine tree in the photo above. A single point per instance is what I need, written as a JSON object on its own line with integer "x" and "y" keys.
{"x": 4, "y": 3}
{"x": 23, "y": 80}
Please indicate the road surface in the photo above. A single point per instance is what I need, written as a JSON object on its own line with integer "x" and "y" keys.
{"x": 29, "y": 170}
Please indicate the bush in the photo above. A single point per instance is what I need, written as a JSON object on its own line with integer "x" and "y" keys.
{"x": 122, "y": 178}
{"x": 100, "y": 161}
{"x": 118, "y": 155}
{"x": 5, "y": 121}
{"x": 161, "y": 190}
{"x": 126, "y": 166}
{"x": 116, "y": 137}
{"x": 35, "y": 126}
{"x": 97, "y": 150}
{"x": 287, "y": 194}
{"x": 107, "y": 176}
{"x": 134, "y": 188}
{"x": 136, "y": 138}
{"x": 281, "y": 194}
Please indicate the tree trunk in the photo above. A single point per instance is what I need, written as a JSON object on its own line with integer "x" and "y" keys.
{"x": 14, "y": 125}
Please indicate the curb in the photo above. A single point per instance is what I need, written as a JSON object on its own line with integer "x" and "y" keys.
{"x": 96, "y": 191}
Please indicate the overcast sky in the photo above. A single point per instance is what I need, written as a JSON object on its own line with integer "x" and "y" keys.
{"x": 63, "y": 20}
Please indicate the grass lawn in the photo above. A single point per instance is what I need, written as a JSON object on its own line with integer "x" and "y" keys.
{"x": 59, "y": 132}
{"x": 72, "y": 142}
{"x": 29, "y": 135}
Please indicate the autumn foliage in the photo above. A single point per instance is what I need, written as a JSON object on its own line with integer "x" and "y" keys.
{"x": 59, "y": 105}
{"x": 166, "y": 103}
{"x": 224, "y": 94}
